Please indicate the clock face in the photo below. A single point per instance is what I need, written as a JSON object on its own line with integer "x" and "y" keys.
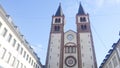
{"x": 70, "y": 61}
{"x": 70, "y": 37}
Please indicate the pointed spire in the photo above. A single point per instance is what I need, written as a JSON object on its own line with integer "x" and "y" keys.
{"x": 80, "y": 10}
{"x": 59, "y": 11}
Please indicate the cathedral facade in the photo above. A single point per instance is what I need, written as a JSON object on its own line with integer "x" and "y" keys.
{"x": 71, "y": 49}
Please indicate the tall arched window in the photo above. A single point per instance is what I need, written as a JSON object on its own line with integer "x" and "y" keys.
{"x": 57, "y": 20}
{"x": 70, "y": 49}
{"x": 82, "y": 19}
{"x": 83, "y": 27}
{"x": 57, "y": 28}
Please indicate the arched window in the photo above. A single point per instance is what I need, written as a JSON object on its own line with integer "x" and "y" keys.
{"x": 82, "y": 19}
{"x": 70, "y": 49}
{"x": 57, "y": 20}
{"x": 57, "y": 28}
{"x": 83, "y": 27}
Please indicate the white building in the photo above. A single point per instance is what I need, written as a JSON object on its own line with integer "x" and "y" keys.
{"x": 112, "y": 59}
{"x": 15, "y": 51}
{"x": 71, "y": 49}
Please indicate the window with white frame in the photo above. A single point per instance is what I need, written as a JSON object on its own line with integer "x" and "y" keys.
{"x": 9, "y": 38}
{"x": 7, "y": 57}
{"x": 14, "y": 42}
{"x": 24, "y": 54}
{"x": 17, "y": 64}
{"x": 18, "y": 47}
{"x": 13, "y": 61}
{"x": 3, "y": 52}
{"x": 27, "y": 57}
{"x": 32, "y": 62}
{"x": 4, "y": 32}
{"x": 21, "y": 65}
{"x": 21, "y": 51}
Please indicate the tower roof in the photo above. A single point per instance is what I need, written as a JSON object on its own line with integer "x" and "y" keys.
{"x": 59, "y": 11}
{"x": 80, "y": 10}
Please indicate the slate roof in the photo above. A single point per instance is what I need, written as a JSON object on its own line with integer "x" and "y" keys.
{"x": 80, "y": 10}
{"x": 109, "y": 53}
{"x": 59, "y": 11}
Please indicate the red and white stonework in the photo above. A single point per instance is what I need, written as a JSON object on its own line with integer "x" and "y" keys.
{"x": 71, "y": 49}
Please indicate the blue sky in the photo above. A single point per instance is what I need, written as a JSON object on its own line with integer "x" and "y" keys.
{"x": 33, "y": 17}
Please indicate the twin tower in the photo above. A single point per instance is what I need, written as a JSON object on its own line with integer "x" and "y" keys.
{"x": 71, "y": 49}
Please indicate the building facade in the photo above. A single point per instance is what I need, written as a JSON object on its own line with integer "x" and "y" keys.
{"x": 71, "y": 49}
{"x": 15, "y": 51}
{"x": 112, "y": 59}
